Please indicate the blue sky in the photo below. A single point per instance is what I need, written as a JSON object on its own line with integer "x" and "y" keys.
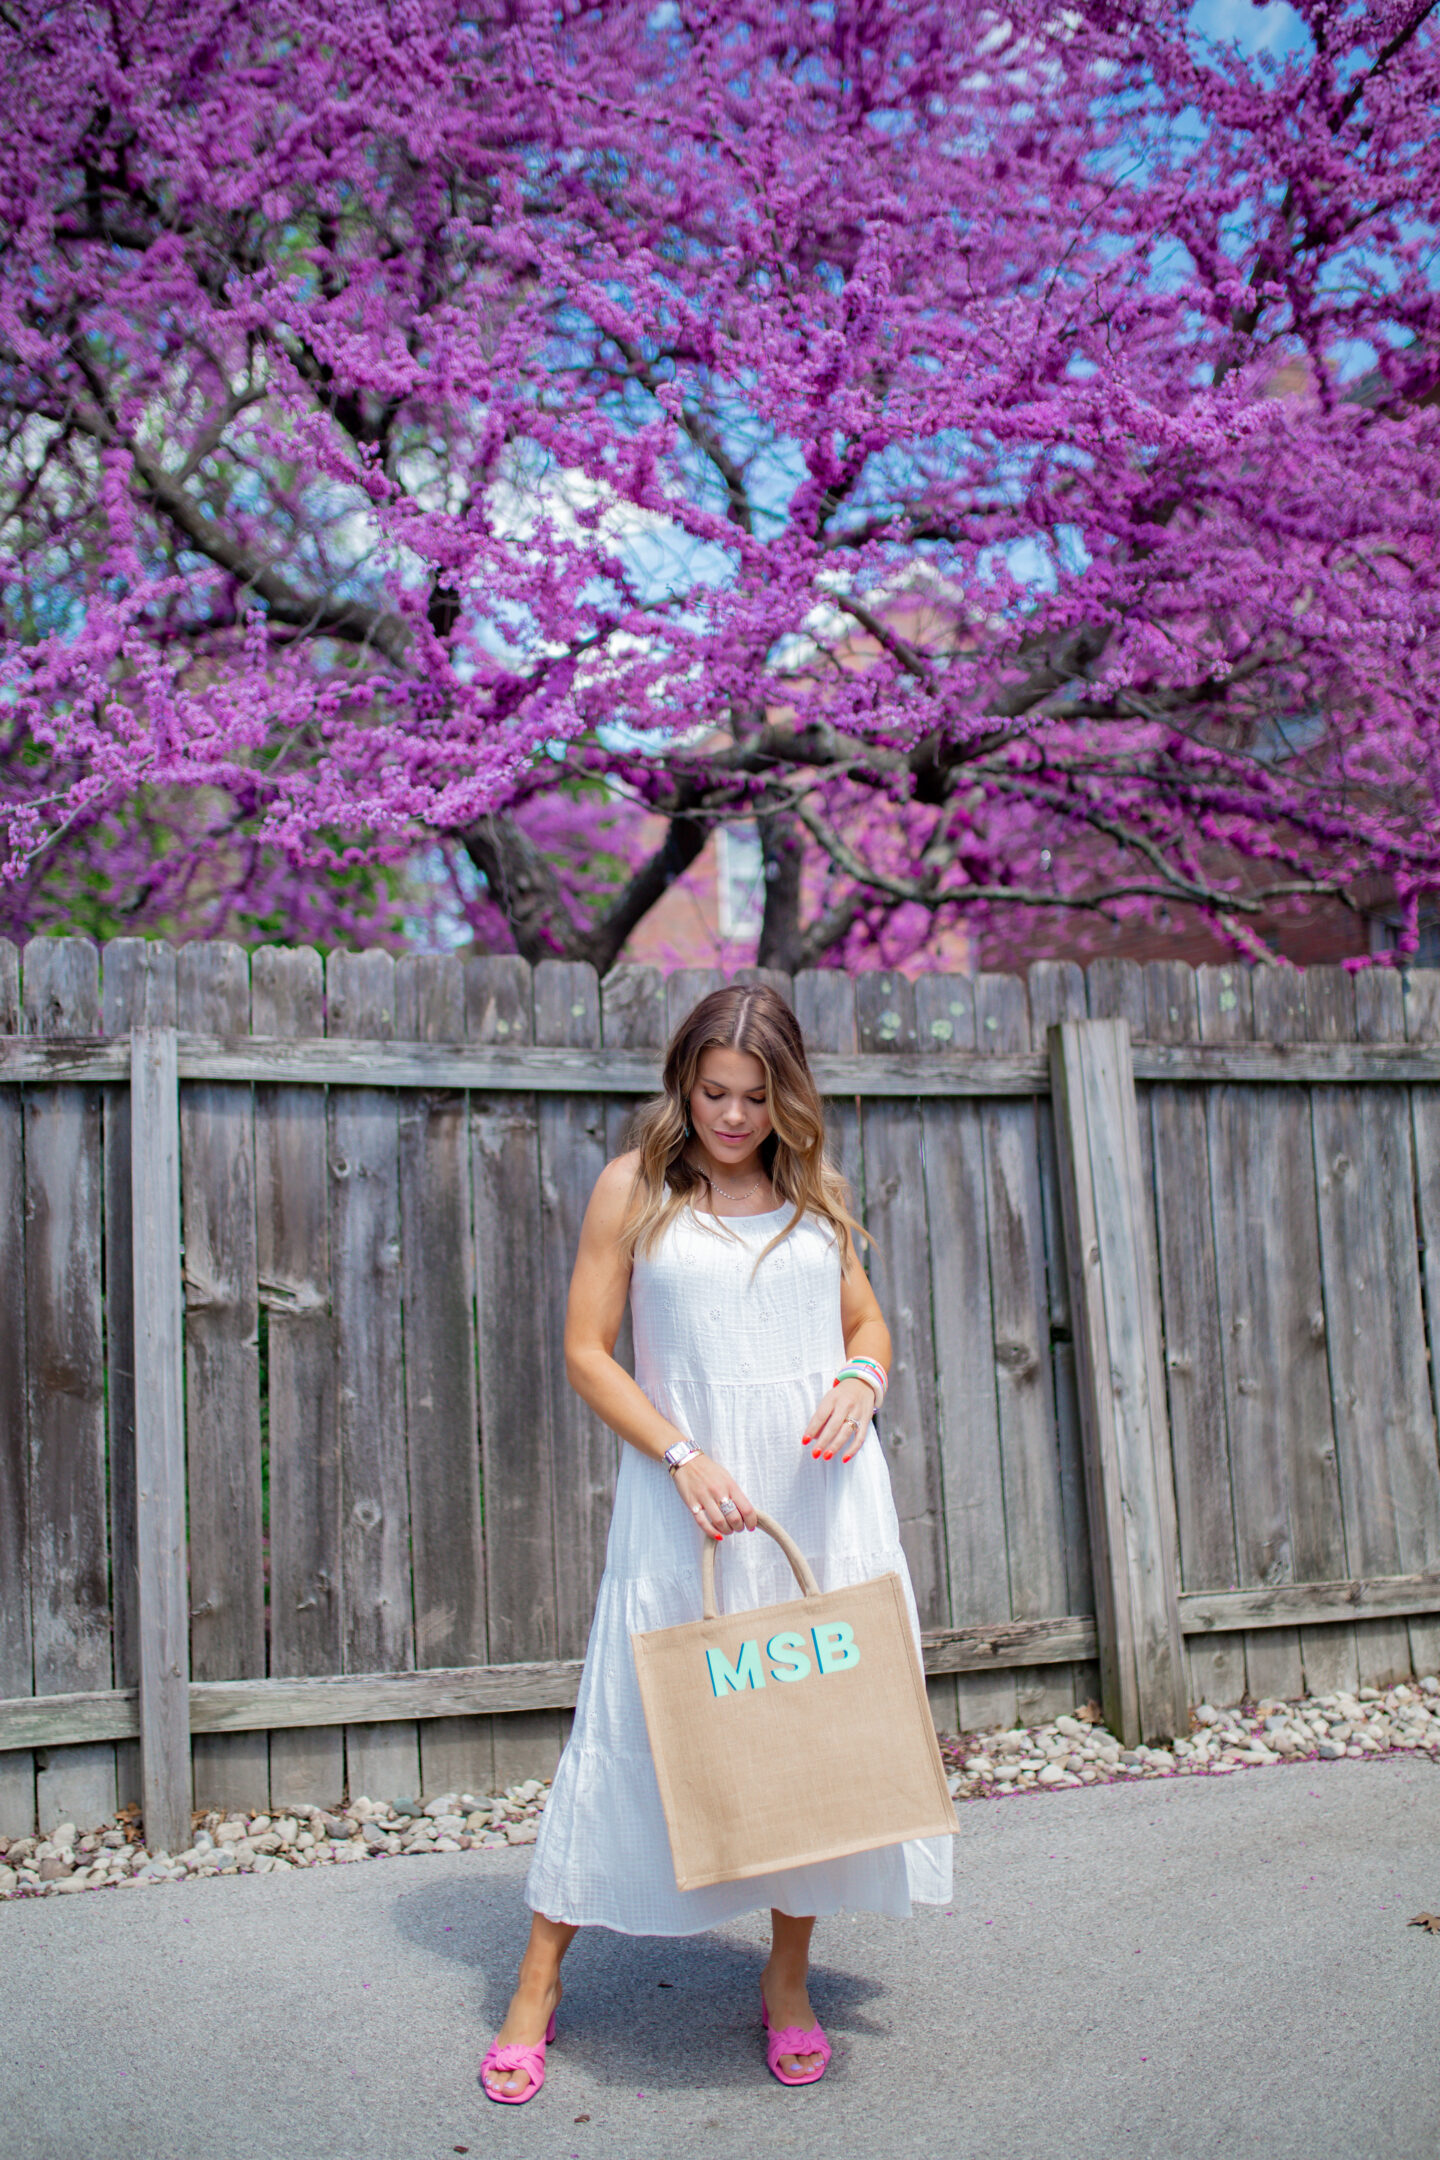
{"x": 1272, "y": 28}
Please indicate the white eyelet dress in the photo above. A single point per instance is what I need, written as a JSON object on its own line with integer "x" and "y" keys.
{"x": 738, "y": 1365}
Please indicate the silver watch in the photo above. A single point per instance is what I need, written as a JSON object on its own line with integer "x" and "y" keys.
{"x": 683, "y": 1451}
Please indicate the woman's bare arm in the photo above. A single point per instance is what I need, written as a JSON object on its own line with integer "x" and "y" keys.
{"x": 866, "y": 1335}
{"x": 599, "y": 1288}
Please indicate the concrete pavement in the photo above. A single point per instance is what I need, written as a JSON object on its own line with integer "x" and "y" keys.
{"x": 1163, "y": 1971}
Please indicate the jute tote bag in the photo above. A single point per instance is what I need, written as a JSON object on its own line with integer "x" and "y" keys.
{"x": 793, "y": 1733}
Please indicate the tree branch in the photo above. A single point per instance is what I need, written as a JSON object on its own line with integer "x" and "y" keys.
{"x": 528, "y": 892}
{"x": 350, "y": 621}
{"x": 685, "y": 836}
{"x": 1167, "y": 884}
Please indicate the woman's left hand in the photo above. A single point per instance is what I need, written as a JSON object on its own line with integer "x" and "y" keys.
{"x": 840, "y": 1424}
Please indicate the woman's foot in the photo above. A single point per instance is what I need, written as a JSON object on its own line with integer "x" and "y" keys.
{"x": 787, "y": 2002}
{"x": 527, "y": 2022}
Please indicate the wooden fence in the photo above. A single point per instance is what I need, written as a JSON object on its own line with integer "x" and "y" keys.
{"x": 304, "y": 1502}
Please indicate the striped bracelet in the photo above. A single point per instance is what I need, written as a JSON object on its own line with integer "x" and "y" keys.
{"x": 871, "y": 1371}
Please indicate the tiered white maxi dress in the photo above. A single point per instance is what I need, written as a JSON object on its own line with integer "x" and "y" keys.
{"x": 736, "y": 1357}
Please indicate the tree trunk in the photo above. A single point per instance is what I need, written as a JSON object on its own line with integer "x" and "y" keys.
{"x": 781, "y": 937}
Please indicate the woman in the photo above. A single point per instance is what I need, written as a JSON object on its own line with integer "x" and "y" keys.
{"x": 760, "y": 1358}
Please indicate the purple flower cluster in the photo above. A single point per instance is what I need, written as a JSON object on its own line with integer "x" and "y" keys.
{"x": 995, "y": 451}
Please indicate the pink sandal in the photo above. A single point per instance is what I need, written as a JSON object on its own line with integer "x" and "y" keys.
{"x": 515, "y": 2057}
{"x": 791, "y": 2040}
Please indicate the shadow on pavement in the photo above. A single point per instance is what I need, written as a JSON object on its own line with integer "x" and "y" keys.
{"x": 639, "y": 2011}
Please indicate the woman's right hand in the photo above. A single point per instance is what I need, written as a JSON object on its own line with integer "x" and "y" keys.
{"x": 703, "y": 1486}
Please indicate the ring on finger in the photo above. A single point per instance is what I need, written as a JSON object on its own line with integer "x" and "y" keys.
{"x": 696, "y": 1509}
{"x": 728, "y": 1507}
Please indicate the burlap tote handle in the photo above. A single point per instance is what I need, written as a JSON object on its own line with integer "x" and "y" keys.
{"x": 799, "y": 1565}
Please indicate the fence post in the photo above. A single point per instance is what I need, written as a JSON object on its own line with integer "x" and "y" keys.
{"x": 1124, "y": 1427}
{"x": 163, "y": 1600}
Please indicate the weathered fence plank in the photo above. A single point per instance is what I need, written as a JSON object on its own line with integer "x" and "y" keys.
{"x": 1311, "y": 1604}
{"x": 825, "y": 1008}
{"x": 29, "y": 1722}
{"x": 1224, "y": 1003}
{"x": 17, "y": 1663}
{"x": 967, "y": 1411}
{"x": 900, "y": 1269}
{"x": 1122, "y": 1407}
{"x": 1330, "y": 1654}
{"x": 632, "y": 1017}
{"x": 1057, "y": 992}
{"x": 160, "y": 1494}
{"x": 1115, "y": 990}
{"x": 464, "y": 1694}
{"x": 222, "y": 1376}
{"x": 516, "y": 1463}
{"x": 684, "y": 990}
{"x": 1379, "y": 1382}
{"x": 775, "y": 979}
{"x": 1034, "y": 1517}
{"x": 319, "y": 1705}
{"x": 65, "y": 1366}
{"x": 1263, "y": 1315}
{"x": 139, "y": 990}
{"x": 1285, "y": 1238}
{"x": 1194, "y": 1371}
{"x": 572, "y": 1155}
{"x": 357, "y": 1063}
{"x": 1022, "y": 1644}
{"x": 1422, "y": 1025}
{"x": 292, "y": 1188}
{"x": 376, "y": 1624}
{"x": 441, "y": 1415}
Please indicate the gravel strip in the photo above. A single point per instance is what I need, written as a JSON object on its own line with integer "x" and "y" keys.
{"x": 1079, "y": 1751}
{"x": 302, "y": 1837}
{"x": 1068, "y": 1751}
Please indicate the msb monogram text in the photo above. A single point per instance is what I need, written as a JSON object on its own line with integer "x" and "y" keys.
{"x": 788, "y": 1657}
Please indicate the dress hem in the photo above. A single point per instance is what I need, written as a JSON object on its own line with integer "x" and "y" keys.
{"x": 708, "y": 1927}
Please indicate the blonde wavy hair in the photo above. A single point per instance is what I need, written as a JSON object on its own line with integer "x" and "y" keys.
{"x": 755, "y": 1019}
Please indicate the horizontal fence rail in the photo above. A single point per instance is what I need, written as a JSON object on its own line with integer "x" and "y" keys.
{"x": 371, "y": 1698}
{"x": 338, "y": 1063}
{"x": 294, "y": 1495}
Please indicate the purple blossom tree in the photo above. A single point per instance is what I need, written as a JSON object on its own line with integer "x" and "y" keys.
{"x": 993, "y": 451}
